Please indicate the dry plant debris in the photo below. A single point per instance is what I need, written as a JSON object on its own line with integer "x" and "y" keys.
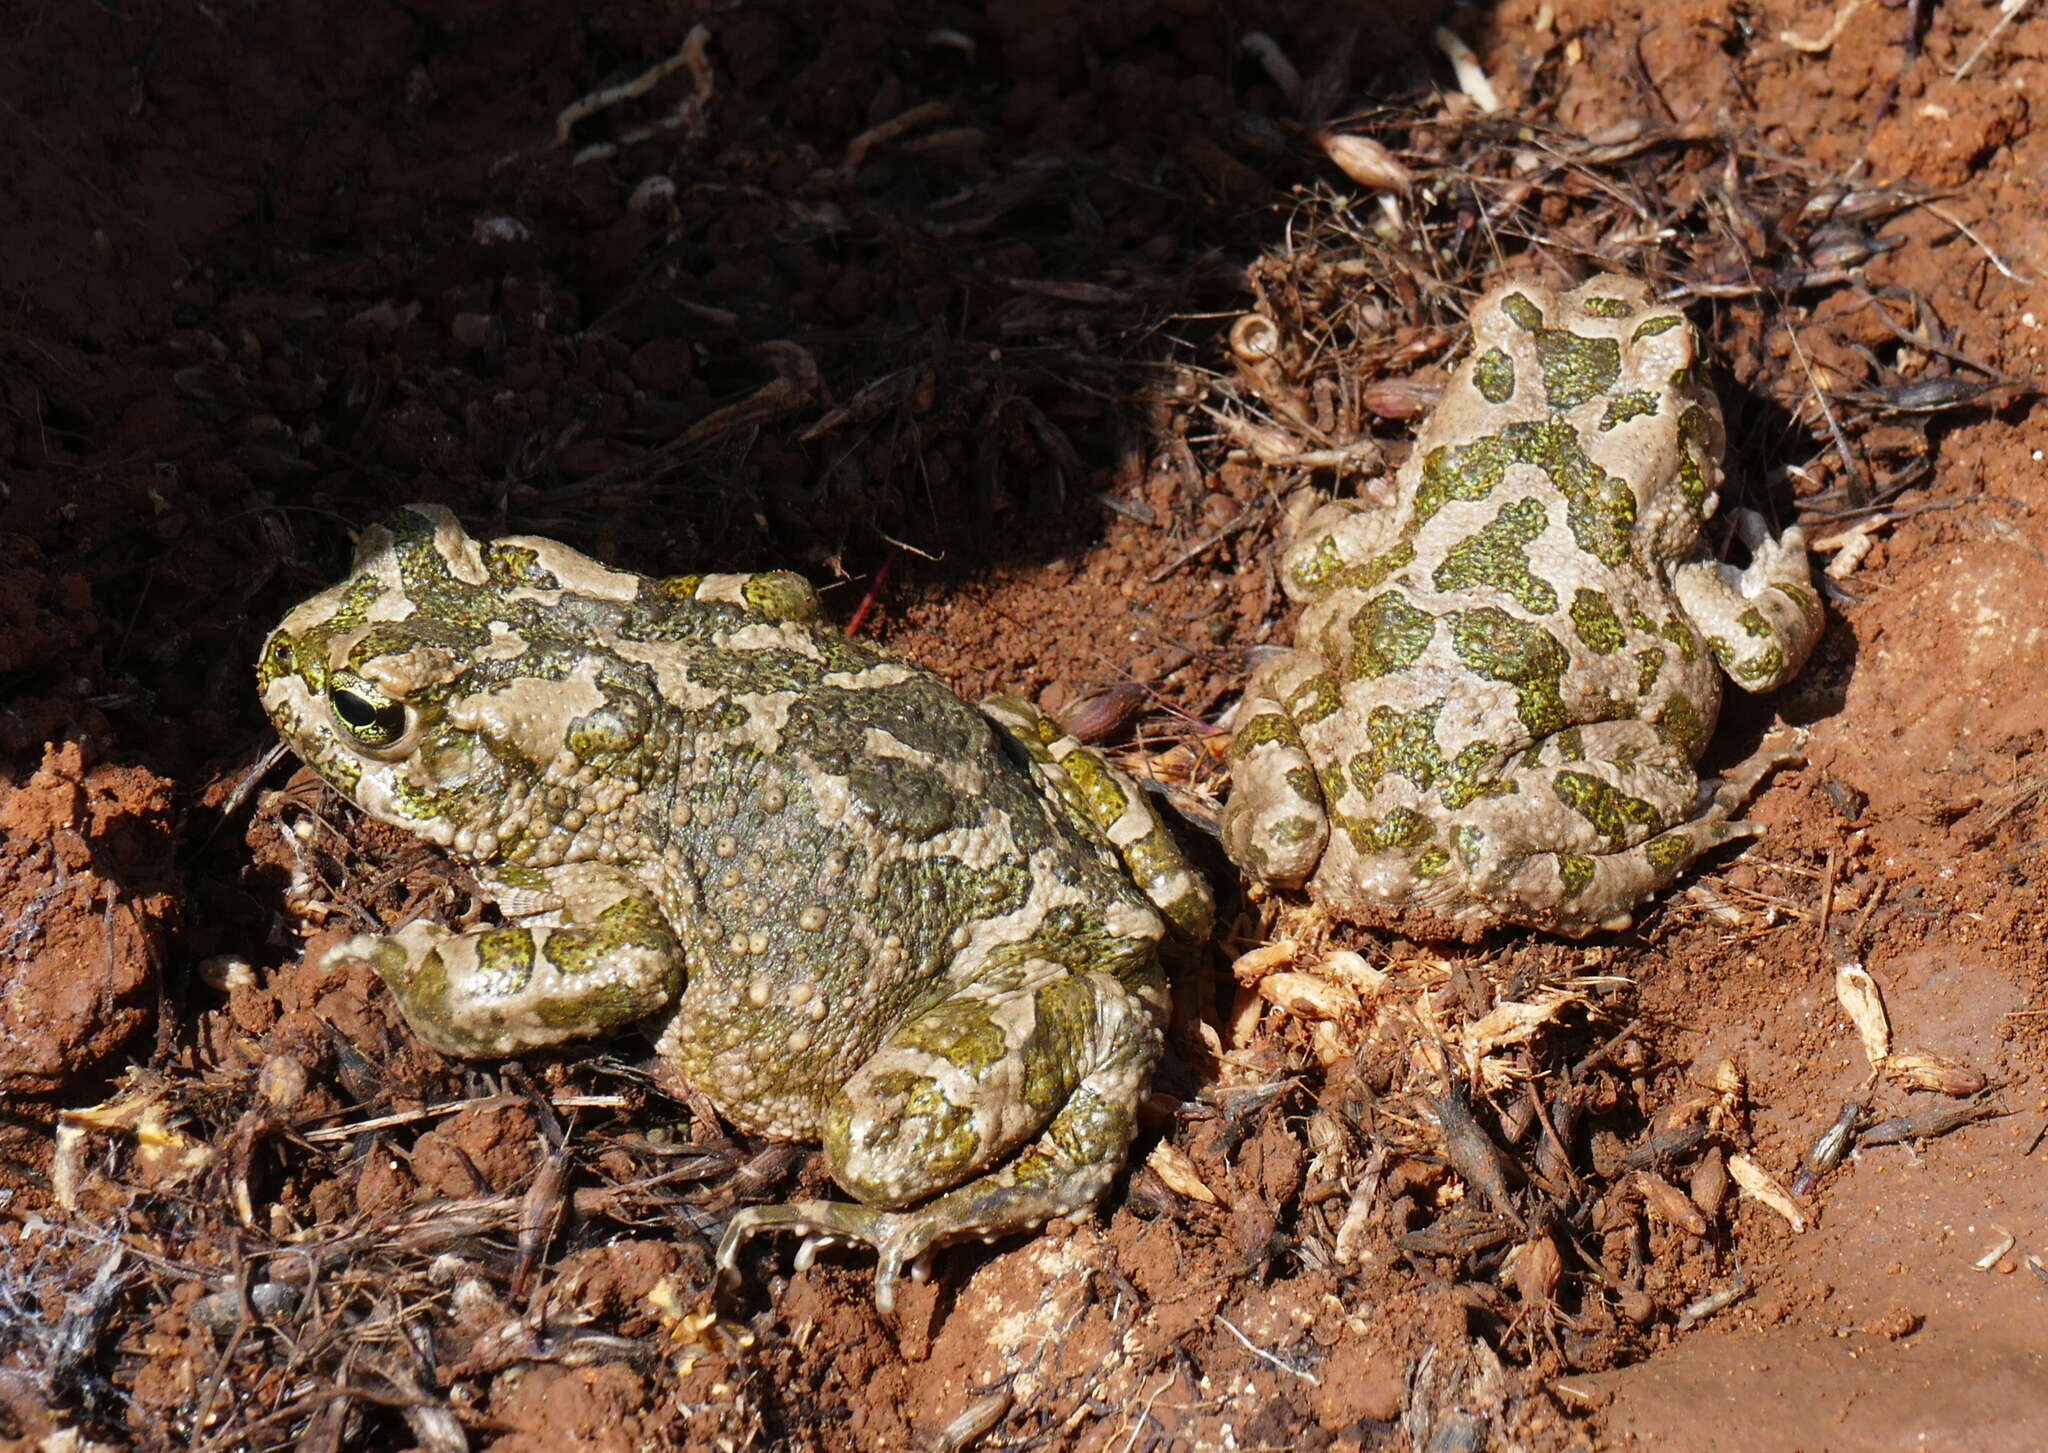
{"x": 341, "y": 1239}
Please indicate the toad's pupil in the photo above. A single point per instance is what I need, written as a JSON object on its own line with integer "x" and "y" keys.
{"x": 364, "y": 718}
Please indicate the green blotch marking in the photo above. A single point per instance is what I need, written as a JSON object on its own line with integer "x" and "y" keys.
{"x": 1576, "y": 369}
{"x": 1761, "y": 667}
{"x": 402, "y": 638}
{"x": 1497, "y": 557}
{"x": 1369, "y": 573}
{"x": 1465, "y": 778}
{"x": 1402, "y": 828}
{"x": 1608, "y": 307}
{"x": 960, "y": 1032}
{"x": 1399, "y": 742}
{"x": 1600, "y": 508}
{"x": 1314, "y": 566}
{"x": 1431, "y": 861}
{"x": 1594, "y": 619}
{"x": 612, "y": 732}
{"x": 1679, "y": 634}
{"x": 345, "y": 773}
{"x": 1807, "y": 602}
{"x": 1493, "y": 374}
{"x": 1615, "y": 815}
{"x": 1316, "y": 699}
{"x": 517, "y": 567}
{"x": 1267, "y": 729}
{"x": 1575, "y": 872}
{"x": 781, "y": 595}
{"x": 1321, "y": 567}
{"x": 417, "y": 803}
{"x": 1290, "y": 830}
{"x": 1753, "y": 623}
{"x": 1388, "y": 635}
{"x": 1623, "y": 407}
{"x": 1469, "y": 842}
{"x": 505, "y": 957}
{"x": 747, "y": 673}
{"x": 1301, "y": 781}
{"x": 1523, "y": 313}
{"x": 1649, "y": 661}
{"x": 1668, "y": 852}
{"x": 421, "y": 989}
{"x": 1695, "y": 440}
{"x": 1570, "y": 744}
{"x": 1651, "y": 327}
{"x": 1098, "y": 794}
{"x": 276, "y": 662}
{"x": 1679, "y": 723}
{"x": 1526, "y": 657}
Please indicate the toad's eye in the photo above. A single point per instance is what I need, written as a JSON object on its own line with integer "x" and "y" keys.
{"x": 280, "y": 656}
{"x": 367, "y": 714}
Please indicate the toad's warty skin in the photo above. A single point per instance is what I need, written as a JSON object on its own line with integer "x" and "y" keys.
{"x": 858, "y": 909}
{"x": 1502, "y": 681}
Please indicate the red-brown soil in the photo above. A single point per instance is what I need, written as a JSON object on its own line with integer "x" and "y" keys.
{"x": 933, "y": 303}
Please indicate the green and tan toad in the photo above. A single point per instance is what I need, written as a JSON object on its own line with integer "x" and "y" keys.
{"x": 858, "y": 909}
{"x": 1503, "y": 680}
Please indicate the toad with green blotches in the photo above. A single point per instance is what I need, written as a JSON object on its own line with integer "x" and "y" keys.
{"x": 1502, "y": 681}
{"x": 858, "y": 909}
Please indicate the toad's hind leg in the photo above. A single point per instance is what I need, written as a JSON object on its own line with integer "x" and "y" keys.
{"x": 1056, "y": 1069}
{"x": 1622, "y": 837}
{"x": 1277, "y": 820}
{"x": 1106, "y": 802}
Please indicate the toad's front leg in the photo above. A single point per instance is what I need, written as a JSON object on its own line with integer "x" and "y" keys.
{"x": 1761, "y": 623}
{"x": 593, "y": 953}
{"x": 1054, "y": 1064}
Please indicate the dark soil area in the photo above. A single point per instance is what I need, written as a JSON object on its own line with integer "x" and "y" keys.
{"x": 942, "y": 306}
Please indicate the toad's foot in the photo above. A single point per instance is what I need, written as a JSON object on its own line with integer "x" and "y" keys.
{"x": 983, "y": 1209}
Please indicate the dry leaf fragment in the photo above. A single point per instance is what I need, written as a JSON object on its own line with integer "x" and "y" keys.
{"x": 1309, "y": 995}
{"x": 1709, "y": 1183}
{"x": 1268, "y": 446}
{"x": 1516, "y": 1021}
{"x": 1254, "y": 965}
{"x": 1537, "y": 1270}
{"x": 1351, "y": 970}
{"x": 1365, "y": 161}
{"x": 1758, "y": 1185}
{"x": 1179, "y": 1173}
{"x": 1861, "y": 1001}
{"x": 1933, "y": 1072}
{"x": 1670, "y": 1204}
{"x": 2006, "y": 1241}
